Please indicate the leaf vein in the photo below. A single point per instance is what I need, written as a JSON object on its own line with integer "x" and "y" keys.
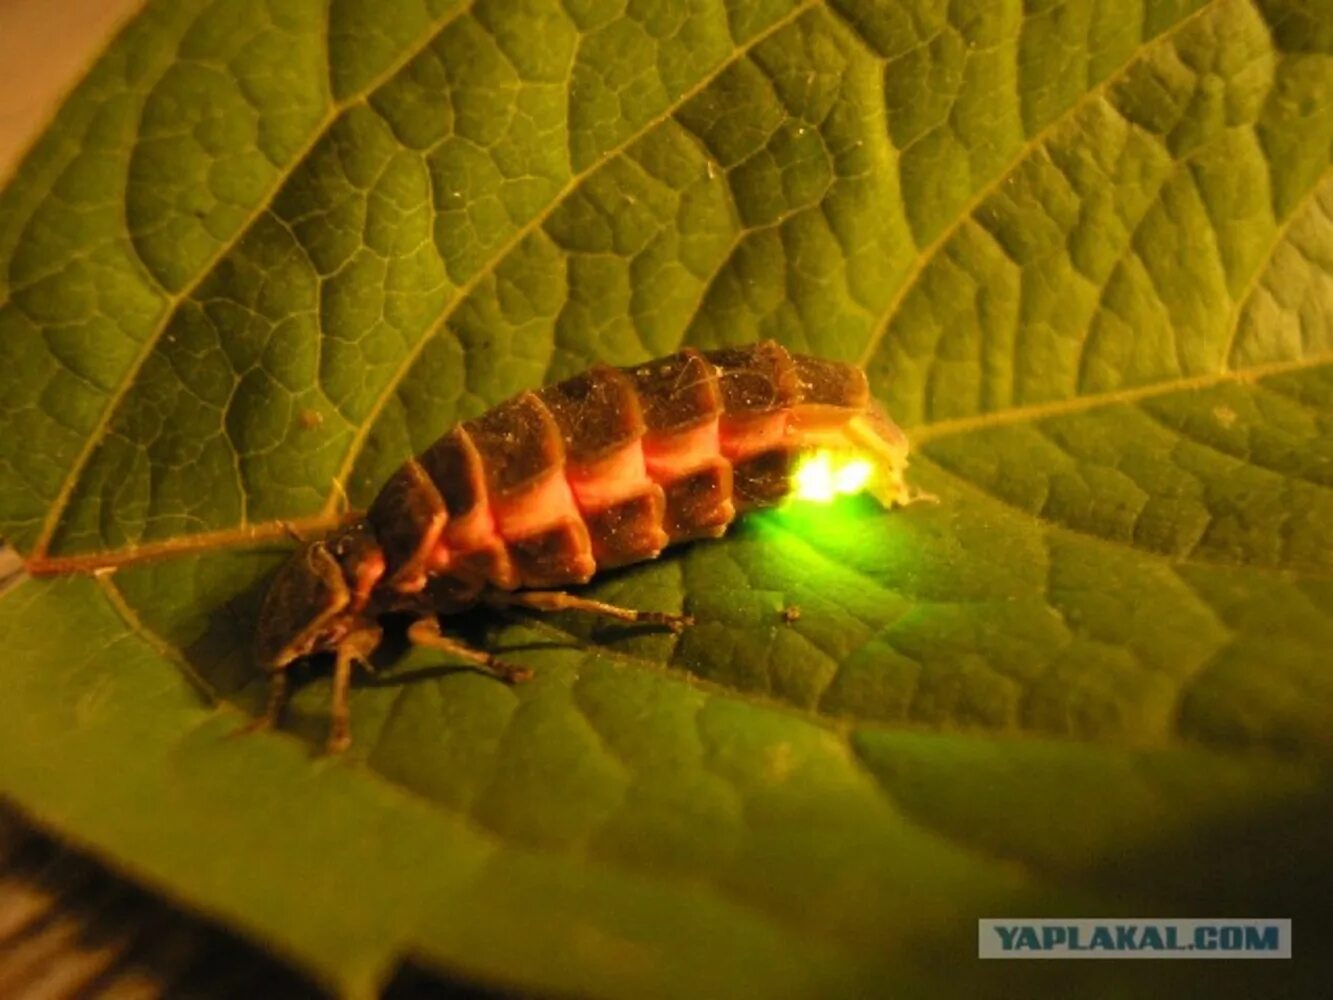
{"x": 969, "y": 208}
{"x": 528, "y": 229}
{"x": 926, "y": 433}
{"x": 1173, "y": 560}
{"x": 1308, "y": 200}
{"x": 172, "y": 302}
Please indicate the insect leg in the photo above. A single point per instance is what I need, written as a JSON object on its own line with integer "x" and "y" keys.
{"x": 354, "y": 648}
{"x": 558, "y": 600}
{"x": 277, "y": 701}
{"x": 425, "y": 632}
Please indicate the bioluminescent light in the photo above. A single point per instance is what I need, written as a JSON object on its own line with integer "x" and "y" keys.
{"x": 824, "y": 476}
{"x": 853, "y": 477}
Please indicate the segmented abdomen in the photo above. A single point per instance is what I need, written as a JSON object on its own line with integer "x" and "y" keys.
{"x": 606, "y": 468}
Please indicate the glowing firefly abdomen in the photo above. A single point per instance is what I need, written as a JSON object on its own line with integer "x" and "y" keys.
{"x": 611, "y": 466}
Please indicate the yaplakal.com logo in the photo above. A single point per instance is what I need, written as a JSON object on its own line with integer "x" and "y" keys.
{"x": 1136, "y": 938}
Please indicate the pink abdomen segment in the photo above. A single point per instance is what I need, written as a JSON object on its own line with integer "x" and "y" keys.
{"x": 609, "y": 467}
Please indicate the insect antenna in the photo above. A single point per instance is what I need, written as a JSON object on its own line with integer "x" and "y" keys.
{"x": 692, "y": 362}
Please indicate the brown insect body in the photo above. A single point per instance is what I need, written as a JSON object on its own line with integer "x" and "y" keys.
{"x": 603, "y": 469}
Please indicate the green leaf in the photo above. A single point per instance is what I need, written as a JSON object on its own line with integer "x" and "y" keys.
{"x": 1085, "y": 251}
